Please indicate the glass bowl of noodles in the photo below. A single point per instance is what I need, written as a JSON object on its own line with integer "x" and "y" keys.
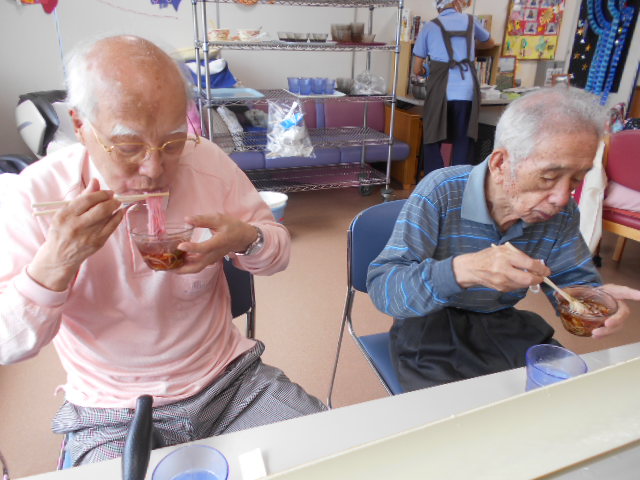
{"x": 156, "y": 239}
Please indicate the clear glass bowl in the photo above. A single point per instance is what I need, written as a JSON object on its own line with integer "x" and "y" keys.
{"x": 318, "y": 37}
{"x": 160, "y": 251}
{"x": 599, "y": 304}
{"x": 156, "y": 239}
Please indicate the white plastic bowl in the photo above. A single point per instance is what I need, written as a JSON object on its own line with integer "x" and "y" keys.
{"x": 277, "y": 201}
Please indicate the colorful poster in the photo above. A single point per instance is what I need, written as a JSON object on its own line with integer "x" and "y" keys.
{"x": 532, "y": 29}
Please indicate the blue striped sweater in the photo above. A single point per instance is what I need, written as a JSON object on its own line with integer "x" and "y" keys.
{"x": 447, "y": 215}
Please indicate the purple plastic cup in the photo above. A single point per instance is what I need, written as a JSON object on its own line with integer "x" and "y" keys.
{"x": 294, "y": 84}
{"x": 318, "y": 85}
{"x": 192, "y": 462}
{"x": 547, "y": 364}
{"x": 305, "y": 86}
{"x": 329, "y": 86}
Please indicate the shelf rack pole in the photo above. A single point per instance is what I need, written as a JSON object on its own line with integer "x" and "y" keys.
{"x": 365, "y": 121}
{"x": 207, "y": 71}
{"x": 387, "y": 193}
{"x": 197, "y": 47}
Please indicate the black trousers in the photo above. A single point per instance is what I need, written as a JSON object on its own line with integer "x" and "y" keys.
{"x": 458, "y": 113}
{"x": 454, "y": 344}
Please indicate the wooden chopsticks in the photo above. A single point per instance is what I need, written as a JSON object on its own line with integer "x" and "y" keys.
{"x": 52, "y": 207}
{"x": 573, "y": 301}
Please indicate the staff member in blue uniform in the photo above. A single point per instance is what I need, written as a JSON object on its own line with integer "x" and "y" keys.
{"x": 452, "y": 91}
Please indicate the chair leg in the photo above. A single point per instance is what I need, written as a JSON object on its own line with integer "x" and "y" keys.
{"x": 348, "y": 304}
{"x": 597, "y": 259}
{"x": 617, "y": 254}
{"x": 335, "y": 363}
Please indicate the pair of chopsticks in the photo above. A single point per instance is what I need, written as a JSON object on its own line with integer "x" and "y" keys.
{"x": 52, "y": 207}
{"x": 548, "y": 281}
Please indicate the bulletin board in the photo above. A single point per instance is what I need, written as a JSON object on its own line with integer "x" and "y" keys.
{"x": 532, "y": 29}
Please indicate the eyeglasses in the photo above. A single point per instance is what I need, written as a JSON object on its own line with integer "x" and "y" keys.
{"x": 134, "y": 152}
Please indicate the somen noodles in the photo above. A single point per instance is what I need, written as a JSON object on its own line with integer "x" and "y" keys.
{"x": 157, "y": 216}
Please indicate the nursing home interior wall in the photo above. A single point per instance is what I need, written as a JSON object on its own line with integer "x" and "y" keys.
{"x": 30, "y": 56}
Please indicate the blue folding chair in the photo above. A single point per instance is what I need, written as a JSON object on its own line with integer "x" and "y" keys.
{"x": 367, "y": 236}
{"x": 243, "y": 296}
{"x": 243, "y": 302}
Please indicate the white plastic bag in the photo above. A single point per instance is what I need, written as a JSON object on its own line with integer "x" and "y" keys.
{"x": 287, "y": 134}
{"x": 368, "y": 84}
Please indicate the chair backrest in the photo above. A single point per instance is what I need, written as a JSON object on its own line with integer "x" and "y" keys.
{"x": 351, "y": 114}
{"x": 368, "y": 235}
{"x": 623, "y": 158}
{"x": 243, "y": 300}
{"x": 14, "y": 163}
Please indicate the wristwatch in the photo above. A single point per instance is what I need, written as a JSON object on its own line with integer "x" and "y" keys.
{"x": 256, "y": 246}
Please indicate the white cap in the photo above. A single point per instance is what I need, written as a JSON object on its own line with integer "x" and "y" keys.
{"x": 442, "y": 3}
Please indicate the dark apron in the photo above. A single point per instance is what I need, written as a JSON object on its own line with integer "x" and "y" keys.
{"x": 434, "y": 118}
{"x": 454, "y": 344}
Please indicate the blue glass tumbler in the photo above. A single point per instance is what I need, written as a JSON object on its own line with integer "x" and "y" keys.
{"x": 294, "y": 84}
{"x": 318, "y": 85}
{"x": 547, "y": 364}
{"x": 305, "y": 86}
{"x": 329, "y": 86}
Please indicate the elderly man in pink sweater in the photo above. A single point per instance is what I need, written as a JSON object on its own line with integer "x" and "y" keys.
{"x": 75, "y": 279}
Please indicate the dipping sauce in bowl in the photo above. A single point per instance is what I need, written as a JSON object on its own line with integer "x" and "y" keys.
{"x": 160, "y": 251}
{"x": 598, "y": 306}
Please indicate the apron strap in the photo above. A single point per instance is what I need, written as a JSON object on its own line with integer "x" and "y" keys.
{"x": 447, "y": 35}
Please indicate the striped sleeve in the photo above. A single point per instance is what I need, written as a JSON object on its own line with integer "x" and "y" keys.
{"x": 570, "y": 259}
{"x": 405, "y": 280}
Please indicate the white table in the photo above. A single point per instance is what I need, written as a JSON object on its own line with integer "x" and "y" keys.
{"x": 290, "y": 443}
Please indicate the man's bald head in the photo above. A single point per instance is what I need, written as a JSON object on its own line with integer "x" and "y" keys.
{"x": 122, "y": 72}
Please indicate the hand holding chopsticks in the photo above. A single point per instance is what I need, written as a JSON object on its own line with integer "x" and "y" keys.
{"x": 575, "y": 304}
{"x": 53, "y": 207}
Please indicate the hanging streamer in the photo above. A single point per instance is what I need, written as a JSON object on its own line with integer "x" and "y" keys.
{"x": 601, "y": 43}
{"x": 137, "y": 12}
{"x": 47, "y": 5}
{"x": 166, "y": 3}
{"x": 612, "y": 37}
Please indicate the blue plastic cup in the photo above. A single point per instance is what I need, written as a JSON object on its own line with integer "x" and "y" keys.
{"x": 193, "y": 462}
{"x": 294, "y": 84}
{"x": 305, "y": 86}
{"x": 547, "y": 364}
{"x": 329, "y": 86}
{"x": 318, "y": 85}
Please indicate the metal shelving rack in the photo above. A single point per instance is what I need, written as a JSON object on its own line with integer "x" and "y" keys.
{"x": 303, "y": 178}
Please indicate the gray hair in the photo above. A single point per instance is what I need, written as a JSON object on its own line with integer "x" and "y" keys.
{"x": 544, "y": 112}
{"x": 84, "y": 81}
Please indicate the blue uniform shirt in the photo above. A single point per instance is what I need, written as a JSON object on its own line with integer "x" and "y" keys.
{"x": 430, "y": 43}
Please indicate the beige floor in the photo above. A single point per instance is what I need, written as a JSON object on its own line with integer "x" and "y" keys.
{"x": 299, "y": 314}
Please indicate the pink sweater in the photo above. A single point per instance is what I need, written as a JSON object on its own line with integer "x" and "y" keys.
{"x": 122, "y": 330}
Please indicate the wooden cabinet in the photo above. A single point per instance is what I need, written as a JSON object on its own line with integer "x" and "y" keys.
{"x": 408, "y": 128}
{"x": 634, "y": 109}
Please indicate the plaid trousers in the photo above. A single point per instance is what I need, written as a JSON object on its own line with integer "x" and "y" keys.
{"x": 248, "y": 394}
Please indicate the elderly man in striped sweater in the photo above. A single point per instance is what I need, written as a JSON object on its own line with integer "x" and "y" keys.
{"x": 450, "y": 275}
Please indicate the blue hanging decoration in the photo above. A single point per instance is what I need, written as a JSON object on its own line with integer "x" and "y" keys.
{"x": 611, "y": 41}
{"x": 626, "y": 17}
{"x": 600, "y": 26}
{"x": 166, "y": 3}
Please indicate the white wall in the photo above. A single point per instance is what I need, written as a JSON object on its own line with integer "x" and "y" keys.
{"x": 527, "y": 68}
{"x": 30, "y": 56}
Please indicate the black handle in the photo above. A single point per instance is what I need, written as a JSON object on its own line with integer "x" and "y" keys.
{"x": 138, "y": 445}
